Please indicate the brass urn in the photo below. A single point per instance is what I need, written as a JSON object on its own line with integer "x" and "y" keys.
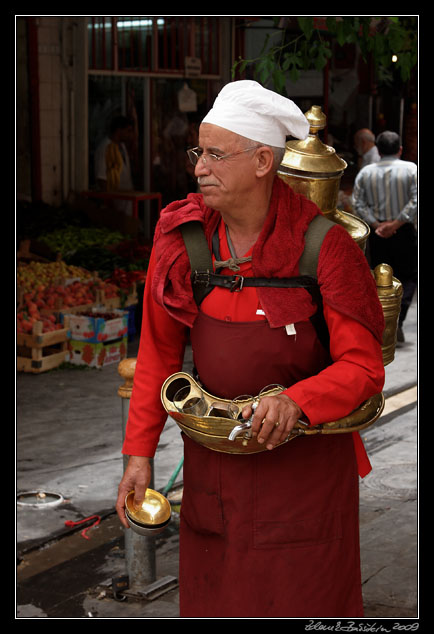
{"x": 389, "y": 291}
{"x": 314, "y": 169}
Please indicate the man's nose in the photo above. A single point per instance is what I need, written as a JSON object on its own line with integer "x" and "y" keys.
{"x": 202, "y": 167}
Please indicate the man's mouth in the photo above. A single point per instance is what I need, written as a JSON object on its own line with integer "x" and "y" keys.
{"x": 204, "y": 183}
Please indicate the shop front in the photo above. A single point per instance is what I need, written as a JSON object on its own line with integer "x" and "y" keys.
{"x": 162, "y": 73}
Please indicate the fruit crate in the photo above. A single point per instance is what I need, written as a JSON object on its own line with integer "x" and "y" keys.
{"x": 41, "y": 351}
{"x": 97, "y": 355}
{"x": 98, "y": 325}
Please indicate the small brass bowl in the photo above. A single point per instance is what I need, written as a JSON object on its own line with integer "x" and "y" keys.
{"x": 152, "y": 517}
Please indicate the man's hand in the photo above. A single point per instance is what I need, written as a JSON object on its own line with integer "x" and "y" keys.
{"x": 137, "y": 476}
{"x": 278, "y": 409}
{"x": 388, "y": 228}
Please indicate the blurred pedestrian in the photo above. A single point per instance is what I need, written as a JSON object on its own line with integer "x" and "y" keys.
{"x": 112, "y": 162}
{"x": 364, "y": 142}
{"x": 385, "y": 196}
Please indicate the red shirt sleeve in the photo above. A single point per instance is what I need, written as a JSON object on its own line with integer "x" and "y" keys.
{"x": 357, "y": 369}
{"x": 357, "y": 372}
{"x": 161, "y": 353}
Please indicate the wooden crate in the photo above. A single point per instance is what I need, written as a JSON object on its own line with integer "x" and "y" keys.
{"x": 41, "y": 351}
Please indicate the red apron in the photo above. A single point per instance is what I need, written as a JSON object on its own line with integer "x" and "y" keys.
{"x": 273, "y": 534}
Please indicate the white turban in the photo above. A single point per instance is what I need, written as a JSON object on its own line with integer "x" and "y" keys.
{"x": 248, "y": 109}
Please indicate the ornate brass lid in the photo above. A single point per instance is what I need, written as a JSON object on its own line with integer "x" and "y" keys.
{"x": 312, "y": 155}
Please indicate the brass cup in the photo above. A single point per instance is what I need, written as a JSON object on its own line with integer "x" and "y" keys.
{"x": 152, "y": 517}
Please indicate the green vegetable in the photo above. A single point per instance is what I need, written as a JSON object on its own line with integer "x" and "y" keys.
{"x": 70, "y": 239}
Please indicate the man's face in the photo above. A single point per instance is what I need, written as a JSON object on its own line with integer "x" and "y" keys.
{"x": 224, "y": 184}
{"x": 126, "y": 134}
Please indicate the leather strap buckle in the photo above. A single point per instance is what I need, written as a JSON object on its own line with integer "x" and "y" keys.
{"x": 237, "y": 284}
{"x": 201, "y": 277}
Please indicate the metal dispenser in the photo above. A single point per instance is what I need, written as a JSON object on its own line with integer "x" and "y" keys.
{"x": 389, "y": 291}
{"x": 314, "y": 169}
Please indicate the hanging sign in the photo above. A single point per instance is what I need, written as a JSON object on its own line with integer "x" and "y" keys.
{"x": 187, "y": 99}
{"x": 193, "y": 66}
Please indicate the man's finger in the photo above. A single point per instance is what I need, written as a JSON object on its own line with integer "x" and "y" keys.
{"x": 139, "y": 496}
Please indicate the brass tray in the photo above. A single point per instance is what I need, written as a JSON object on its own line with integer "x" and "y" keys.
{"x": 212, "y": 430}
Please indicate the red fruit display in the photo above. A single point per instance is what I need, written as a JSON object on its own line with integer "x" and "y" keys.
{"x": 126, "y": 279}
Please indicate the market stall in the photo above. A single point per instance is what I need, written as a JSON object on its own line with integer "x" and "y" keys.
{"x": 88, "y": 275}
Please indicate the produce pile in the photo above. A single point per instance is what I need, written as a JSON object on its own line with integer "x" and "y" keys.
{"x": 40, "y": 302}
{"x": 28, "y": 316}
{"x": 70, "y": 239}
{"x": 89, "y": 260}
{"x": 32, "y": 275}
{"x": 129, "y": 256}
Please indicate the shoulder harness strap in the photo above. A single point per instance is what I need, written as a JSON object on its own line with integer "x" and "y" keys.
{"x": 199, "y": 254}
{"x": 308, "y": 265}
{"x": 314, "y": 237}
{"x": 204, "y": 279}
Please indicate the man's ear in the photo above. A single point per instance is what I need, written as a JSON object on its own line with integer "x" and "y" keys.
{"x": 264, "y": 161}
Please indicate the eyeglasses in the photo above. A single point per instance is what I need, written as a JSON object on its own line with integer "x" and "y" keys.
{"x": 197, "y": 153}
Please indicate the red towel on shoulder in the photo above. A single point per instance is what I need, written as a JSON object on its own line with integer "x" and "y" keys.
{"x": 344, "y": 277}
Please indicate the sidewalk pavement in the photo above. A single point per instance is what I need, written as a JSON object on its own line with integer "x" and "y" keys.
{"x": 69, "y": 434}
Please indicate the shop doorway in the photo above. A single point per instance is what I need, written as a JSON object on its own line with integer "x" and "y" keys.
{"x": 166, "y": 114}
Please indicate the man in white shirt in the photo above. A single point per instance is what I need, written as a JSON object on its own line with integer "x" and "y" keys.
{"x": 385, "y": 196}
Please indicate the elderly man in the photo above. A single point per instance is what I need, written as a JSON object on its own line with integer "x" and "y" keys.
{"x": 274, "y": 533}
{"x": 364, "y": 142}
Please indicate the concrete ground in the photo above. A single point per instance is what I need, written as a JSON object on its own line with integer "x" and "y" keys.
{"x": 68, "y": 438}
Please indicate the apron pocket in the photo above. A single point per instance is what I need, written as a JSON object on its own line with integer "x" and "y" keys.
{"x": 201, "y": 506}
{"x": 202, "y": 513}
{"x": 315, "y": 530}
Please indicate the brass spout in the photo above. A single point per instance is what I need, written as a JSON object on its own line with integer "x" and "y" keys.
{"x": 238, "y": 429}
{"x": 243, "y": 426}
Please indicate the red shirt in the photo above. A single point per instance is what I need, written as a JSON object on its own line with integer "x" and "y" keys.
{"x": 357, "y": 371}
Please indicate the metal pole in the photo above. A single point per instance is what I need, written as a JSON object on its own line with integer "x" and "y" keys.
{"x": 139, "y": 550}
